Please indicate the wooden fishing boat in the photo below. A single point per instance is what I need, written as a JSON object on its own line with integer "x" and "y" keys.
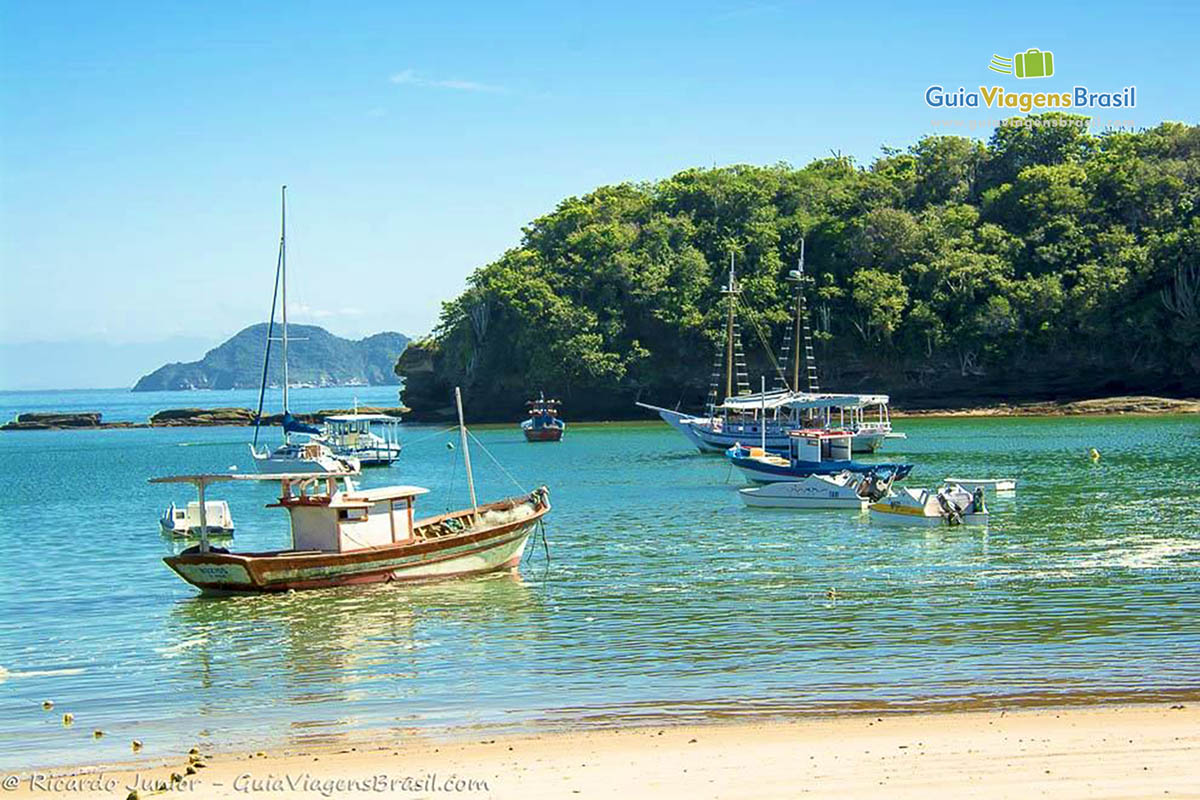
{"x": 345, "y": 535}
{"x": 544, "y": 423}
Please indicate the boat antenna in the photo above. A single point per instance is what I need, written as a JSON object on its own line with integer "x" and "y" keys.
{"x": 462, "y": 432}
{"x": 262, "y": 386}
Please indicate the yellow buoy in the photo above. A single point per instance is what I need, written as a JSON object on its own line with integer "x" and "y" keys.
{"x": 1094, "y": 454}
{"x": 137, "y": 745}
{"x": 96, "y": 734}
{"x": 68, "y": 718}
{"x": 47, "y": 704}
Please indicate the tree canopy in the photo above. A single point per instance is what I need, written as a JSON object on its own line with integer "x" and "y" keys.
{"x": 1049, "y": 262}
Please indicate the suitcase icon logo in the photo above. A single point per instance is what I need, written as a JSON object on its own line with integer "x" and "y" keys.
{"x": 1033, "y": 63}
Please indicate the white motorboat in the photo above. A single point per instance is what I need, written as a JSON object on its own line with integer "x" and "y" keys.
{"x": 184, "y": 523}
{"x": 816, "y": 491}
{"x": 295, "y": 457}
{"x": 371, "y": 438}
{"x": 992, "y": 485}
{"x": 313, "y": 455}
{"x": 946, "y": 505}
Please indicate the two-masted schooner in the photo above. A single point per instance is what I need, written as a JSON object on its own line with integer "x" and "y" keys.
{"x": 734, "y": 414}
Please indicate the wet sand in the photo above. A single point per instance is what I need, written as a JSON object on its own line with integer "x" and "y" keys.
{"x": 1092, "y": 752}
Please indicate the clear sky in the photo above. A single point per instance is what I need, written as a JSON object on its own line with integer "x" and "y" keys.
{"x": 143, "y": 144}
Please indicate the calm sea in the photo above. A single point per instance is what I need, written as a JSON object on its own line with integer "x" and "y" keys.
{"x": 662, "y": 598}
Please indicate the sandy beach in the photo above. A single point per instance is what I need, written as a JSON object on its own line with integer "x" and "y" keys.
{"x": 1110, "y": 752}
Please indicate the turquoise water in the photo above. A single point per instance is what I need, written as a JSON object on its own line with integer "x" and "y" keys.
{"x": 662, "y": 600}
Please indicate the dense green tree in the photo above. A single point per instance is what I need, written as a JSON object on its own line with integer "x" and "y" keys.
{"x": 1047, "y": 261}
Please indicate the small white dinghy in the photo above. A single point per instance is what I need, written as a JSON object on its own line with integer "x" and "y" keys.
{"x": 946, "y": 505}
{"x": 184, "y": 523}
{"x": 993, "y": 485}
{"x": 816, "y": 491}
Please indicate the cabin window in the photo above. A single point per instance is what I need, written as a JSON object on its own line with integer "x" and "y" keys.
{"x": 352, "y": 514}
{"x": 180, "y": 514}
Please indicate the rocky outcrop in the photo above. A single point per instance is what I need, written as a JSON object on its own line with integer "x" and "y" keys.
{"x": 55, "y": 421}
{"x": 179, "y": 418}
{"x": 203, "y": 417}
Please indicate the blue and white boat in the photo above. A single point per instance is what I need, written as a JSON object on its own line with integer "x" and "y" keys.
{"x": 810, "y": 452}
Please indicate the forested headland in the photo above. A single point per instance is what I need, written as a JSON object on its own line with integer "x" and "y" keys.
{"x": 1048, "y": 263}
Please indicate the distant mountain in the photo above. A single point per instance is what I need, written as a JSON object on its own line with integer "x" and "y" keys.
{"x": 315, "y": 357}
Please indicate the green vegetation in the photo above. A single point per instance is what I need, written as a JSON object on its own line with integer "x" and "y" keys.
{"x": 315, "y": 357}
{"x": 1048, "y": 263}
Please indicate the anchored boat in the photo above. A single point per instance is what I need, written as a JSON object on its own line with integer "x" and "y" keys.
{"x": 810, "y": 452}
{"x": 184, "y": 523}
{"x": 342, "y": 535}
{"x": 313, "y": 454}
{"x": 373, "y": 439}
{"x": 544, "y": 423}
{"x": 947, "y": 505}
{"x": 734, "y": 414}
{"x": 816, "y": 491}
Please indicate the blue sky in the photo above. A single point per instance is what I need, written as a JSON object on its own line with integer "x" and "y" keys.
{"x": 143, "y": 144}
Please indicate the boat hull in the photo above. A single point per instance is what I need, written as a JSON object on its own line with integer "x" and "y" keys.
{"x": 473, "y": 552}
{"x": 883, "y": 515}
{"x": 547, "y": 434}
{"x": 815, "y": 494}
{"x": 193, "y": 532}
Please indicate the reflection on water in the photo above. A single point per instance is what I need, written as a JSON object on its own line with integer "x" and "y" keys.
{"x": 662, "y": 598}
{"x": 333, "y": 657}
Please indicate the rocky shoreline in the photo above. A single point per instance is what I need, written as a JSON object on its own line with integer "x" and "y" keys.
{"x": 178, "y": 418}
{"x": 243, "y": 417}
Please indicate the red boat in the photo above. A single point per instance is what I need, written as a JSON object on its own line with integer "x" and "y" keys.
{"x": 544, "y": 424}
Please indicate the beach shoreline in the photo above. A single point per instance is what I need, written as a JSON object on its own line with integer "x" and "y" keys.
{"x": 1138, "y": 750}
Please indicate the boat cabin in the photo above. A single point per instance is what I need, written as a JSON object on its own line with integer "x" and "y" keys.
{"x": 361, "y": 430}
{"x": 815, "y": 446}
{"x": 330, "y": 520}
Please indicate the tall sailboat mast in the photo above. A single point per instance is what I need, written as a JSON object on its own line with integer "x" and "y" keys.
{"x": 802, "y": 334}
{"x": 283, "y": 268}
{"x": 730, "y": 290}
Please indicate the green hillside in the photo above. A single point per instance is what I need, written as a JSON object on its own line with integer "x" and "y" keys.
{"x": 315, "y": 356}
{"x": 1046, "y": 263}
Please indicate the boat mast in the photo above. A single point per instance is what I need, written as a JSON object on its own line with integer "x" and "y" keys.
{"x": 283, "y": 269}
{"x": 802, "y": 334}
{"x": 462, "y": 432}
{"x": 729, "y": 334}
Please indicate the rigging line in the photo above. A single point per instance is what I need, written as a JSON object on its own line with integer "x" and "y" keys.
{"x": 430, "y": 436}
{"x": 497, "y": 463}
{"x": 762, "y": 338}
{"x": 262, "y": 387}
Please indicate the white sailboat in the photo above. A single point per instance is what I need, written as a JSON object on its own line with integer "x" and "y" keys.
{"x": 313, "y": 453}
